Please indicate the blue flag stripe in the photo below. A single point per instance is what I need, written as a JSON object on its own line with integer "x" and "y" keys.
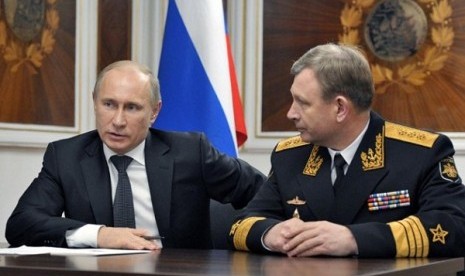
{"x": 189, "y": 100}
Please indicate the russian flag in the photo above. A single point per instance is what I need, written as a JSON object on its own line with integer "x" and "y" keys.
{"x": 197, "y": 76}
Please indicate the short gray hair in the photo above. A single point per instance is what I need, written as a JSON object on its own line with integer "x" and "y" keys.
{"x": 155, "y": 95}
{"x": 340, "y": 70}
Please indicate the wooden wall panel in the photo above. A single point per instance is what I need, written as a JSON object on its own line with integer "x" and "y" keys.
{"x": 424, "y": 90}
{"x": 37, "y": 74}
{"x": 114, "y": 31}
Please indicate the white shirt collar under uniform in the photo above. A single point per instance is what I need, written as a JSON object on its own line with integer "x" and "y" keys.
{"x": 348, "y": 153}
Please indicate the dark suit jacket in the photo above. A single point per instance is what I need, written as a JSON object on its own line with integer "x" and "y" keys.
{"x": 184, "y": 171}
{"x": 390, "y": 158}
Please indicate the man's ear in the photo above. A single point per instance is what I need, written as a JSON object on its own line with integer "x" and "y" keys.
{"x": 155, "y": 112}
{"x": 343, "y": 108}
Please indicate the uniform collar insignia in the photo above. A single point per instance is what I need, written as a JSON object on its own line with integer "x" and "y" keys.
{"x": 439, "y": 234}
{"x": 374, "y": 159}
{"x": 314, "y": 162}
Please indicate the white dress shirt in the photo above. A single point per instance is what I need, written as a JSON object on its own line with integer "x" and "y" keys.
{"x": 143, "y": 210}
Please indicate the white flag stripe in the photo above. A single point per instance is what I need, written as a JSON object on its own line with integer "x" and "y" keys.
{"x": 204, "y": 21}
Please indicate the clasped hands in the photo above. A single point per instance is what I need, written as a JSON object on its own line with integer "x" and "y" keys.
{"x": 125, "y": 238}
{"x": 297, "y": 238}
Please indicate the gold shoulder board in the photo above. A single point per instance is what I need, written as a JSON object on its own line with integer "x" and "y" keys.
{"x": 290, "y": 143}
{"x": 411, "y": 135}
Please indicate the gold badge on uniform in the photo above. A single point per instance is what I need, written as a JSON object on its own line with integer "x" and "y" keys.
{"x": 296, "y": 214}
{"x": 439, "y": 234}
{"x": 296, "y": 201}
{"x": 448, "y": 170}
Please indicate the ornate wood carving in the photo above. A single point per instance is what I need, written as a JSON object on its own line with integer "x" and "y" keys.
{"x": 424, "y": 90}
{"x": 37, "y": 67}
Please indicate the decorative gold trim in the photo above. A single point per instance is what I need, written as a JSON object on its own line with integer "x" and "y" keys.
{"x": 411, "y": 135}
{"x": 410, "y": 237}
{"x": 439, "y": 235}
{"x": 374, "y": 159}
{"x": 240, "y": 230}
{"x": 290, "y": 143}
{"x": 410, "y": 74}
{"x": 314, "y": 163}
{"x": 16, "y": 53}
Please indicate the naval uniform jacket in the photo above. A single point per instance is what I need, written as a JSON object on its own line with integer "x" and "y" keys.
{"x": 401, "y": 195}
{"x": 183, "y": 169}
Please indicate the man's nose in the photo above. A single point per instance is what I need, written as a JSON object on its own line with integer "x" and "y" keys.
{"x": 291, "y": 114}
{"x": 120, "y": 117}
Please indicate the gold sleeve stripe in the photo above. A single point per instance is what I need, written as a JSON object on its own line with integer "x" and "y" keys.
{"x": 400, "y": 239}
{"x": 290, "y": 143}
{"x": 422, "y": 238}
{"x": 410, "y": 237}
{"x": 415, "y": 237}
{"x": 242, "y": 231}
{"x": 411, "y": 135}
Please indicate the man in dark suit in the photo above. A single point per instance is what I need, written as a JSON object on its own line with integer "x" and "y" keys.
{"x": 353, "y": 183}
{"x": 172, "y": 176}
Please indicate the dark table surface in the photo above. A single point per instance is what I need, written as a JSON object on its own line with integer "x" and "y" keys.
{"x": 220, "y": 262}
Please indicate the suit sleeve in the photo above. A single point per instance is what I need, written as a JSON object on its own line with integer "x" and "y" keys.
{"x": 37, "y": 219}
{"x": 228, "y": 180}
{"x": 437, "y": 229}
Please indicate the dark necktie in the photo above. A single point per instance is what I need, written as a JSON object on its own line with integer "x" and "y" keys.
{"x": 339, "y": 163}
{"x": 123, "y": 206}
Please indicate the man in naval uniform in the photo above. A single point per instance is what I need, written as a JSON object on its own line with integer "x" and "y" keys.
{"x": 353, "y": 184}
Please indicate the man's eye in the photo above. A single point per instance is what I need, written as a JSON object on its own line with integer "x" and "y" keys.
{"x": 133, "y": 107}
{"x": 299, "y": 101}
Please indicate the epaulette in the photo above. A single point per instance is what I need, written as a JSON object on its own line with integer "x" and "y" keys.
{"x": 410, "y": 135}
{"x": 290, "y": 143}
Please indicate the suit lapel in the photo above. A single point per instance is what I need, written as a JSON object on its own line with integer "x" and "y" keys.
{"x": 159, "y": 166}
{"x": 362, "y": 177}
{"x": 317, "y": 189}
{"x": 97, "y": 180}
